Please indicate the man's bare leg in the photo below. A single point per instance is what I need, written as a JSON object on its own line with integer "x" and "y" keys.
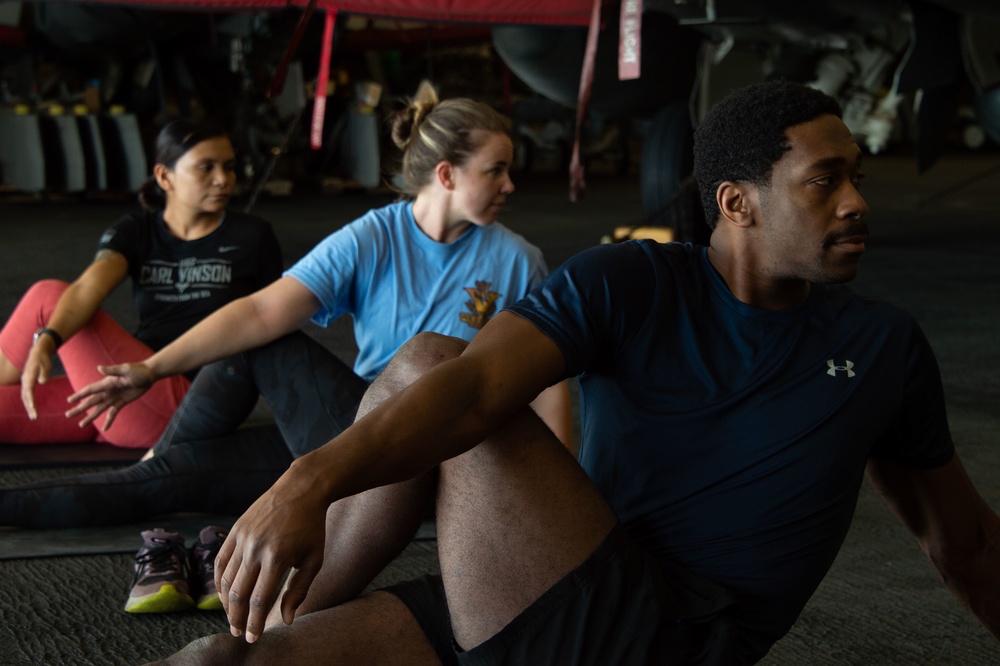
{"x": 377, "y": 629}
{"x": 514, "y": 515}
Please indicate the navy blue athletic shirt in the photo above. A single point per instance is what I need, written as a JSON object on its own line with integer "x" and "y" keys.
{"x": 729, "y": 439}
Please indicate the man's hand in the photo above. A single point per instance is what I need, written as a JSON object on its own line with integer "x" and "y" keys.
{"x": 121, "y": 385}
{"x": 37, "y": 368}
{"x": 284, "y": 530}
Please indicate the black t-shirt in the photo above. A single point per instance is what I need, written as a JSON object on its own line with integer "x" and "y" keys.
{"x": 177, "y": 283}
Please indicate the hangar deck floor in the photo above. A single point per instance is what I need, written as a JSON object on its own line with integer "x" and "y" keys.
{"x": 934, "y": 245}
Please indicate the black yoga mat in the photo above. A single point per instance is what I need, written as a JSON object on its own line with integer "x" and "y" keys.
{"x": 13, "y": 456}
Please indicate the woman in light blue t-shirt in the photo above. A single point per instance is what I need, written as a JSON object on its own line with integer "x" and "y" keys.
{"x": 436, "y": 261}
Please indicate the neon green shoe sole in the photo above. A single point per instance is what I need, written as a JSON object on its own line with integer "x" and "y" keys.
{"x": 210, "y": 602}
{"x": 165, "y": 600}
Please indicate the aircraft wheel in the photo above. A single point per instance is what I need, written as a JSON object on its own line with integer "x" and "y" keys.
{"x": 667, "y": 157}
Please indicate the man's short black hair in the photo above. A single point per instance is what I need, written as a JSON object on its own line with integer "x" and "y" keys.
{"x": 743, "y": 135}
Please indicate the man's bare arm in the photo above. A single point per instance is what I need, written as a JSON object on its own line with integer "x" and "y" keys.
{"x": 954, "y": 526}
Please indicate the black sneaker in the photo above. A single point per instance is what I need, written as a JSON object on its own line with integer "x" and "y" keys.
{"x": 203, "y": 554}
{"x": 161, "y": 575}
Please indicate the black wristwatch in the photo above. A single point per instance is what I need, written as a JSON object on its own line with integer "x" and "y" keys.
{"x": 51, "y": 333}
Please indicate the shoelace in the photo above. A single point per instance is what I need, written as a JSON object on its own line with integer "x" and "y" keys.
{"x": 206, "y": 559}
{"x": 206, "y": 552}
{"x": 166, "y": 558}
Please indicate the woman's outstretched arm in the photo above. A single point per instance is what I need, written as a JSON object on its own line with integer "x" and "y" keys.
{"x": 280, "y": 308}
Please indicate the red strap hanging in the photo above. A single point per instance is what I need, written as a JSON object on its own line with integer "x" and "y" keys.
{"x": 322, "y": 80}
{"x": 577, "y": 184}
{"x": 629, "y": 39}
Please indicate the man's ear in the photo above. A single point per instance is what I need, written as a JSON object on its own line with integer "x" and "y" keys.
{"x": 735, "y": 203}
{"x": 162, "y": 175}
{"x": 445, "y": 174}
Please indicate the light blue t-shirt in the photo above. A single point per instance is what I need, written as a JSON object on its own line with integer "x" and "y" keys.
{"x": 397, "y": 282}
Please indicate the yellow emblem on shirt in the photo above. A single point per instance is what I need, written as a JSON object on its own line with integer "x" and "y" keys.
{"x": 482, "y": 306}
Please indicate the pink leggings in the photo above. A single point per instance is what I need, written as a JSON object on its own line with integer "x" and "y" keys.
{"x": 101, "y": 342}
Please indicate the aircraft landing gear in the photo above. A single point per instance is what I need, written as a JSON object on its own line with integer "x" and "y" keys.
{"x": 667, "y": 159}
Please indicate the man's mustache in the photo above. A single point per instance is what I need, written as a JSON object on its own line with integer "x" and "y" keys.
{"x": 858, "y": 229}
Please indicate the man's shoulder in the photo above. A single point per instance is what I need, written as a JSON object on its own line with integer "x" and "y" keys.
{"x": 647, "y": 247}
{"x": 639, "y": 256}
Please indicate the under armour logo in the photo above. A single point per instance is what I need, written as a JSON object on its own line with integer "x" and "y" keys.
{"x": 845, "y": 368}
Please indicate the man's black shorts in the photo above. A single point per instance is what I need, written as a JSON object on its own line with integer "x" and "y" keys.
{"x": 621, "y": 606}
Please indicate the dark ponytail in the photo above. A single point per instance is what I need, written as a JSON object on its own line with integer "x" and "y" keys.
{"x": 151, "y": 195}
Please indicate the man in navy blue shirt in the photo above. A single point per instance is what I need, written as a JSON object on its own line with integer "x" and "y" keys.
{"x": 733, "y": 398}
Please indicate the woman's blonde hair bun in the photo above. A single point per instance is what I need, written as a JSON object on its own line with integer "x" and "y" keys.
{"x": 408, "y": 121}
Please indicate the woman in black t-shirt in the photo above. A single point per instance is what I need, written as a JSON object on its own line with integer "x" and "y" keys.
{"x": 186, "y": 256}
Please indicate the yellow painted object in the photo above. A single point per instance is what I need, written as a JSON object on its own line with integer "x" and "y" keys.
{"x": 659, "y": 234}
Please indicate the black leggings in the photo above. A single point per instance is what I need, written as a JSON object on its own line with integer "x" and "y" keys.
{"x": 205, "y": 461}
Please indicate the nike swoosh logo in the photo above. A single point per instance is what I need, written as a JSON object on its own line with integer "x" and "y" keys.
{"x": 228, "y": 248}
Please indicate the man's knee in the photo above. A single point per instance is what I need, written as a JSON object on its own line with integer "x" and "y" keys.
{"x": 417, "y": 356}
{"x": 214, "y": 649}
{"x": 424, "y": 351}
